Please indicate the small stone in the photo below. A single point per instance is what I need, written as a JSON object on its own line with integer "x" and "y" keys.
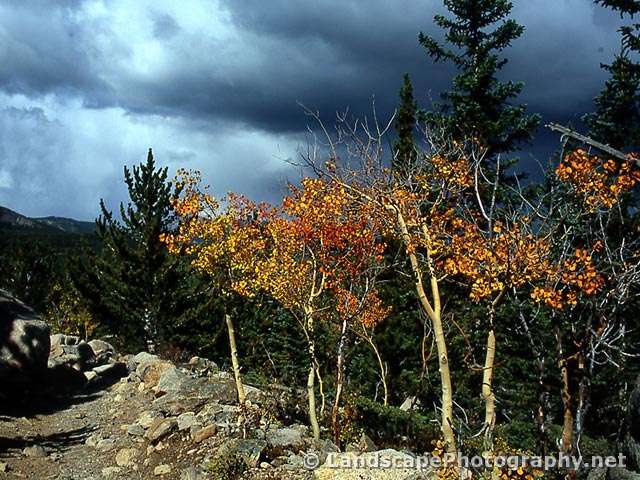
{"x": 204, "y": 433}
{"x": 146, "y": 419}
{"x": 162, "y": 470}
{"x": 186, "y": 421}
{"x": 35, "y": 451}
{"x": 4, "y": 467}
{"x": 92, "y": 440}
{"x": 161, "y": 428}
{"x": 136, "y": 430}
{"x": 126, "y": 457}
{"x": 105, "y": 444}
{"x": 90, "y": 375}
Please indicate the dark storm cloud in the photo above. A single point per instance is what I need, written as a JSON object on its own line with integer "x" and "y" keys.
{"x": 327, "y": 54}
{"x": 42, "y": 51}
{"x": 216, "y": 84}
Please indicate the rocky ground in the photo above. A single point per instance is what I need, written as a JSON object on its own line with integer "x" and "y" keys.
{"x": 159, "y": 421}
{"x": 76, "y": 410}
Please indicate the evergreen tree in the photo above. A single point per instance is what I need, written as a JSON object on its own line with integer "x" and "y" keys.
{"x": 405, "y": 153}
{"x": 616, "y": 120}
{"x": 479, "y": 105}
{"x": 134, "y": 286}
{"x": 630, "y": 35}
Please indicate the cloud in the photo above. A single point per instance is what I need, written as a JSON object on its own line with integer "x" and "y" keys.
{"x": 69, "y": 157}
{"x": 216, "y": 83}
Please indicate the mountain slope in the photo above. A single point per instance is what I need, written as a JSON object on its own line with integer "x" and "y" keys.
{"x": 10, "y": 220}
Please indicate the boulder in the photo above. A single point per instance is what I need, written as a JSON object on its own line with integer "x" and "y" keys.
{"x": 24, "y": 340}
{"x": 172, "y": 380}
{"x": 78, "y": 356}
{"x": 350, "y": 466}
{"x": 151, "y": 369}
{"x": 193, "y": 393}
{"x": 144, "y": 357}
{"x": 103, "y": 351}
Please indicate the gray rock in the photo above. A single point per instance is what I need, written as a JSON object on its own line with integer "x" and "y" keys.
{"x": 249, "y": 450}
{"x": 34, "y": 451}
{"x": 322, "y": 448}
{"x": 151, "y": 370}
{"x": 79, "y": 357}
{"x": 103, "y": 351}
{"x": 194, "y": 394}
{"x": 144, "y": 357}
{"x": 173, "y": 380}
{"x": 286, "y": 438}
{"x": 105, "y": 444}
{"x": 24, "y": 340}
{"x": 136, "y": 430}
{"x": 161, "y": 428}
{"x": 186, "y": 421}
{"x": 147, "y": 418}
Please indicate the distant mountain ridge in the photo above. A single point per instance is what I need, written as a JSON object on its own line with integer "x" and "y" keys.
{"x": 11, "y": 220}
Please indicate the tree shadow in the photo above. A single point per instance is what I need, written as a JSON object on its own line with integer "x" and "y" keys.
{"x": 59, "y": 441}
{"x": 56, "y": 390}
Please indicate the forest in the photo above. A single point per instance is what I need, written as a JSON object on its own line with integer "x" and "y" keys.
{"x": 419, "y": 283}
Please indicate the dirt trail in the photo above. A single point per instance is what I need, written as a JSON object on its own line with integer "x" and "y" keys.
{"x": 50, "y": 440}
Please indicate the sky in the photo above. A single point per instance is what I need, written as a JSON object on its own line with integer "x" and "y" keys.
{"x": 87, "y": 87}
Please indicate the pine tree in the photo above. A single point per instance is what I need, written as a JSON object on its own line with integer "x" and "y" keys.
{"x": 134, "y": 286}
{"x": 616, "y": 120}
{"x": 479, "y": 105}
{"x": 630, "y": 35}
{"x": 405, "y": 153}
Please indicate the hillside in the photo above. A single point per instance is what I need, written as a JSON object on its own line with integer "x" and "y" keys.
{"x": 16, "y": 222}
